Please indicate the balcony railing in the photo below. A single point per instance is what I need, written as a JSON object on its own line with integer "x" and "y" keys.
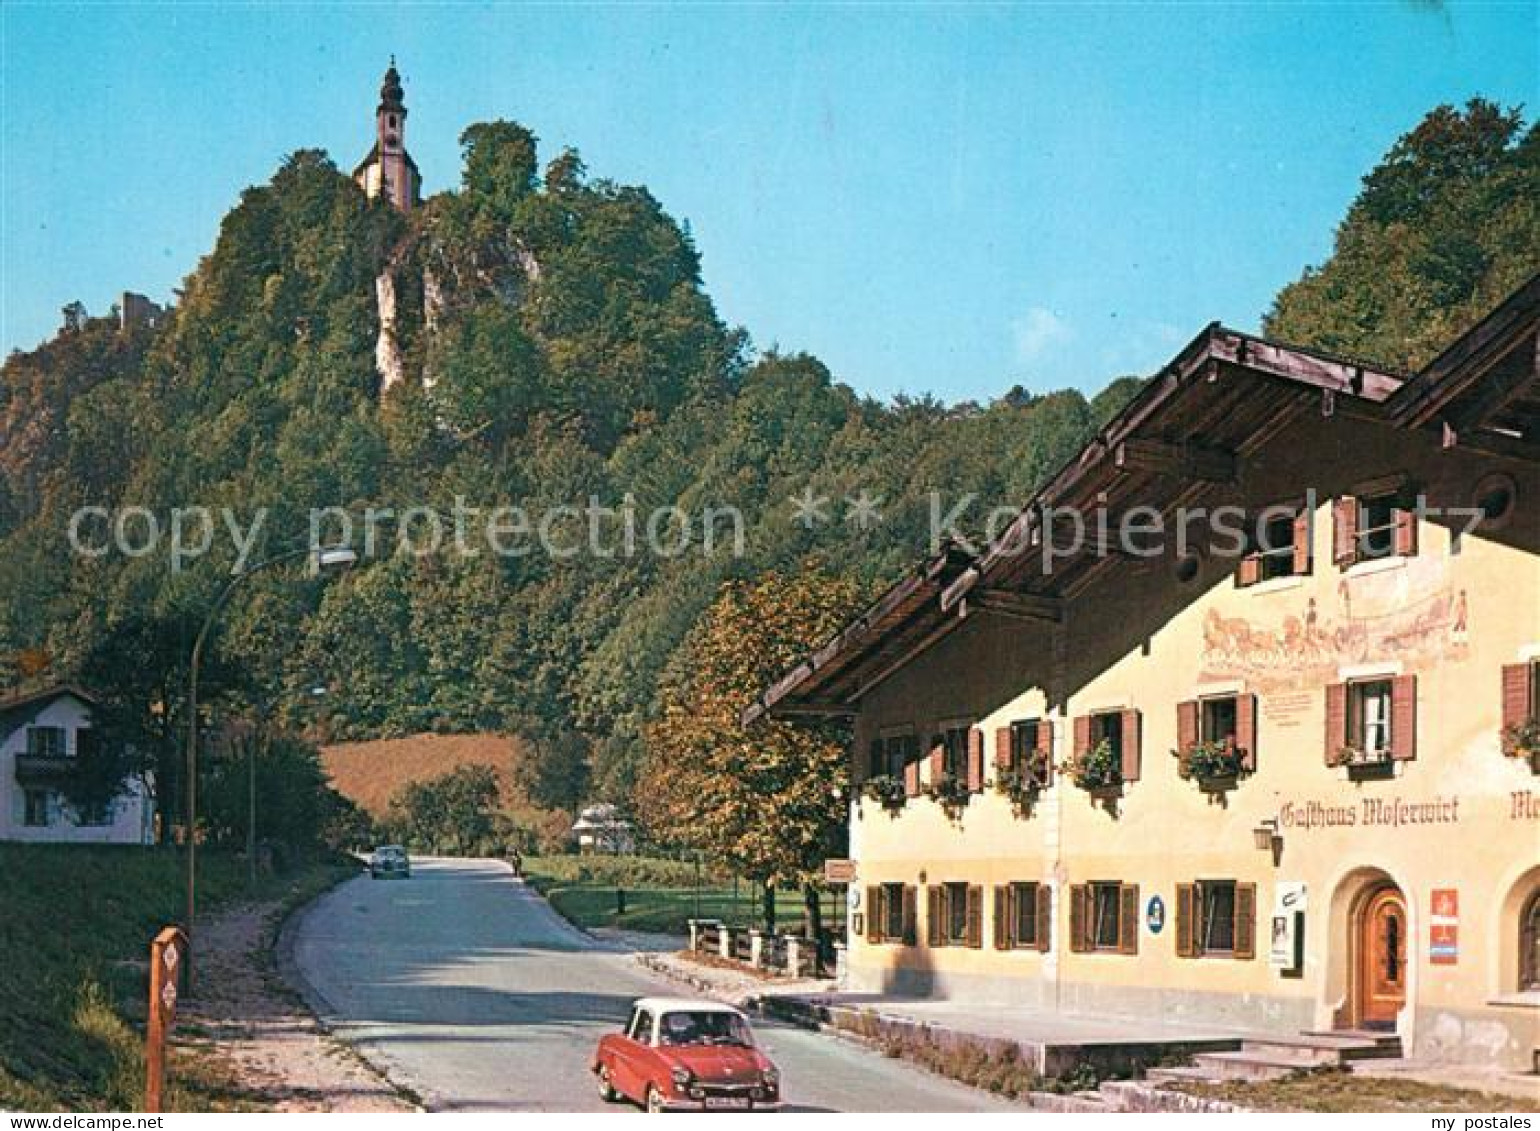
{"x": 43, "y": 768}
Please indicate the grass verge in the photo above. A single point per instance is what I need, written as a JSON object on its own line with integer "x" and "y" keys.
{"x": 660, "y": 895}
{"x": 74, "y": 939}
{"x": 1337, "y": 1090}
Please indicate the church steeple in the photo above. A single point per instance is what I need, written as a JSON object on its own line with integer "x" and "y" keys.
{"x": 389, "y": 170}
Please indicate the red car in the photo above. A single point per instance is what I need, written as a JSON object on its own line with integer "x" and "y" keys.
{"x": 680, "y": 1055}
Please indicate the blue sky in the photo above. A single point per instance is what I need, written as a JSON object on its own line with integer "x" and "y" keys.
{"x": 939, "y": 198}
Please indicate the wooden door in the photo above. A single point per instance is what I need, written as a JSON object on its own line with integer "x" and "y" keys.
{"x": 1382, "y": 956}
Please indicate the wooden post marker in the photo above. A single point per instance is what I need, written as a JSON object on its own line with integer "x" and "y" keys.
{"x": 167, "y": 952}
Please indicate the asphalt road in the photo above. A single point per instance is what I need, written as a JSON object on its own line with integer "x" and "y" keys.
{"x": 465, "y": 986}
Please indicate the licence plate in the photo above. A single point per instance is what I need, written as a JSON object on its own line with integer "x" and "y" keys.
{"x": 731, "y": 1103}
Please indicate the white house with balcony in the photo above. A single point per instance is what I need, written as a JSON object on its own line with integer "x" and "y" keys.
{"x": 42, "y": 735}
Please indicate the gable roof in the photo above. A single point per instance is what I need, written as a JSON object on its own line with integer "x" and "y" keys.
{"x": 22, "y": 708}
{"x": 1236, "y": 391}
{"x": 1484, "y": 389}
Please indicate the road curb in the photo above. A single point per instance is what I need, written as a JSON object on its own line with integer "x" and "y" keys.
{"x": 321, "y": 1010}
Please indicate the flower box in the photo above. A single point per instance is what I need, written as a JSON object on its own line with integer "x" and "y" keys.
{"x": 1219, "y": 783}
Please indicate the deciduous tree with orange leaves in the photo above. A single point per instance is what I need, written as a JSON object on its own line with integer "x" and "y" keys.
{"x": 768, "y": 799}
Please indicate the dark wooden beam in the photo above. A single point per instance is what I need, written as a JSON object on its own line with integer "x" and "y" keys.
{"x": 1500, "y": 385}
{"x": 1491, "y": 443}
{"x": 1184, "y": 461}
{"x": 814, "y": 711}
{"x": 1017, "y": 606}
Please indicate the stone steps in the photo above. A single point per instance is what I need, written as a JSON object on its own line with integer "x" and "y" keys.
{"x": 1270, "y": 1058}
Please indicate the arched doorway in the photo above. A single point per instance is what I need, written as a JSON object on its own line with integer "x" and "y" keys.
{"x": 1381, "y": 950}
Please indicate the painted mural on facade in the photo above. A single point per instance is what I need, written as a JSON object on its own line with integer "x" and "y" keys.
{"x": 1409, "y": 613}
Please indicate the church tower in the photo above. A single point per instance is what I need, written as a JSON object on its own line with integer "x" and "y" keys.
{"x": 389, "y": 170}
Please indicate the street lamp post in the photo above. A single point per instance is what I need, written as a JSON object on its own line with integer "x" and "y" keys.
{"x": 332, "y": 559}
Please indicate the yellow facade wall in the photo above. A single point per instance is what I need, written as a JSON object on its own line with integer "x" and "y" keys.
{"x": 1460, "y": 816}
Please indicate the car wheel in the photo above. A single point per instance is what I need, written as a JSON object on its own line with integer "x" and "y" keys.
{"x": 607, "y": 1091}
{"x": 654, "y": 1099}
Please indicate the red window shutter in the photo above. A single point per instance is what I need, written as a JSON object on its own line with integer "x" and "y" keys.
{"x": 1245, "y": 920}
{"x": 1250, "y": 571}
{"x": 1128, "y": 919}
{"x": 1406, "y": 533}
{"x": 937, "y": 757}
{"x": 875, "y": 918}
{"x": 1344, "y": 530}
{"x": 975, "y": 759}
{"x": 1003, "y": 918}
{"x": 1003, "y": 748}
{"x": 1082, "y": 735}
{"x": 1302, "y": 548}
{"x": 1246, "y": 730}
{"x": 1186, "y": 733}
{"x": 1186, "y": 919}
{"x": 935, "y": 904}
{"x": 1131, "y": 758}
{"x": 1044, "y": 917}
{"x": 912, "y": 778}
{"x": 1403, "y": 717}
{"x": 1336, "y": 722}
{"x": 1517, "y": 707}
{"x": 1045, "y": 750}
{"x": 975, "y": 910}
{"x": 1078, "y": 918}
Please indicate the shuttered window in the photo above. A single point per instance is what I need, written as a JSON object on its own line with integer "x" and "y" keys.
{"x": 1023, "y": 916}
{"x": 45, "y": 742}
{"x": 1216, "y": 919}
{"x": 1376, "y": 524}
{"x": 954, "y": 757}
{"x": 1372, "y": 722}
{"x": 890, "y": 911}
{"x": 1120, "y": 730}
{"x": 1279, "y": 547}
{"x": 1026, "y": 748}
{"x": 956, "y": 913}
{"x": 1104, "y": 917}
{"x": 1520, "y": 700}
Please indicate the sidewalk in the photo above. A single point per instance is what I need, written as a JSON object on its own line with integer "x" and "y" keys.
{"x": 1054, "y": 1044}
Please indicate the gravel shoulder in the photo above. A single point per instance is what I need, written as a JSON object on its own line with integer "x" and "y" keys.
{"x": 250, "y": 1030}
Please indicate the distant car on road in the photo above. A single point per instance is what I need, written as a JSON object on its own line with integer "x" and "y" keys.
{"x": 682, "y": 1055}
{"x": 389, "y": 860}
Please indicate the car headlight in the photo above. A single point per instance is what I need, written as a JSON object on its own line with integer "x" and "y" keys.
{"x": 681, "y": 1077}
{"x": 771, "y": 1078}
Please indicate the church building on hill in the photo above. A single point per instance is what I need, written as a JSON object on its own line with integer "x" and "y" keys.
{"x": 388, "y": 170}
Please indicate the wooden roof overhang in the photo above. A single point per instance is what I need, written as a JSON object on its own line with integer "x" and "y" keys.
{"x": 901, "y": 623}
{"x": 1182, "y": 437}
{"x": 1483, "y": 392}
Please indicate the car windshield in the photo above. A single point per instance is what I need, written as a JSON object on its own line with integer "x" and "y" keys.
{"x": 390, "y": 850}
{"x": 704, "y": 1027}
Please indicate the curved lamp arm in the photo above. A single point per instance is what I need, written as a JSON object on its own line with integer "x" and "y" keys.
{"x": 334, "y": 557}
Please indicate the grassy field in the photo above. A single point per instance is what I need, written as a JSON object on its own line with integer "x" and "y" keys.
{"x": 371, "y": 773}
{"x": 75, "y": 926}
{"x": 660, "y": 894}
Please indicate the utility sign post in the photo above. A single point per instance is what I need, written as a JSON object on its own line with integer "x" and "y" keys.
{"x": 167, "y": 953}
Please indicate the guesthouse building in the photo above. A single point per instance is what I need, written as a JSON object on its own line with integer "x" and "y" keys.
{"x": 1235, "y": 724}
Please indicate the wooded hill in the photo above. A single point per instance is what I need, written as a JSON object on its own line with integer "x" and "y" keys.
{"x": 556, "y": 343}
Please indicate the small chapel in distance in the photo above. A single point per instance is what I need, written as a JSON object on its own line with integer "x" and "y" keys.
{"x": 388, "y": 169}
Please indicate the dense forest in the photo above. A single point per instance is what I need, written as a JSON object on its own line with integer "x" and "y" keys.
{"x": 556, "y": 345}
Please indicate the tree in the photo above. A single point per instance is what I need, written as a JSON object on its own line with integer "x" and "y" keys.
{"x": 294, "y": 800}
{"x": 499, "y": 164}
{"x": 1444, "y": 229}
{"x": 768, "y": 800}
{"x": 455, "y": 813}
